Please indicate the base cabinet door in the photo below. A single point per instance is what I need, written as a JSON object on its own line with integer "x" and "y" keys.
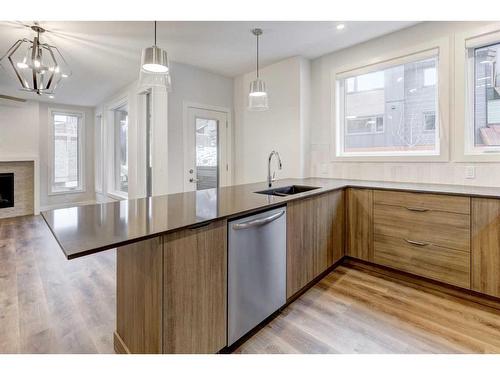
{"x": 360, "y": 223}
{"x": 486, "y": 246}
{"x": 315, "y": 237}
{"x": 195, "y": 290}
{"x": 138, "y": 297}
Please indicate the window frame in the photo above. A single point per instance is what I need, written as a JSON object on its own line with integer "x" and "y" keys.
{"x": 470, "y": 92}
{"x": 464, "y": 149}
{"x": 81, "y": 188}
{"x": 441, "y": 49}
{"x": 112, "y": 160}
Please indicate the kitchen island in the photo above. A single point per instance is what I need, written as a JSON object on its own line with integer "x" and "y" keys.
{"x": 172, "y": 249}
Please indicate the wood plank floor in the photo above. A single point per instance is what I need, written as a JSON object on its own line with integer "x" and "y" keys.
{"x": 354, "y": 310}
{"x": 51, "y": 305}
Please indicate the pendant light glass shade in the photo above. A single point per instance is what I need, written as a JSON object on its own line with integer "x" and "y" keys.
{"x": 148, "y": 80}
{"x": 154, "y": 71}
{"x": 257, "y": 96}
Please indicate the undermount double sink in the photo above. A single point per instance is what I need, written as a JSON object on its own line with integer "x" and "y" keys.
{"x": 285, "y": 191}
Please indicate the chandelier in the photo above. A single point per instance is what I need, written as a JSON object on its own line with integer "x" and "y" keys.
{"x": 39, "y": 67}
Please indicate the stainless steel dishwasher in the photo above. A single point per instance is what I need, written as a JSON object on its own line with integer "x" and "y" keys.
{"x": 256, "y": 270}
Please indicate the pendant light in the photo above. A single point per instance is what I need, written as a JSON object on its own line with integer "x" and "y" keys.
{"x": 39, "y": 67}
{"x": 257, "y": 97}
{"x": 154, "y": 71}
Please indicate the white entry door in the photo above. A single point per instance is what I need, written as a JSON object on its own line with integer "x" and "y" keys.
{"x": 206, "y": 149}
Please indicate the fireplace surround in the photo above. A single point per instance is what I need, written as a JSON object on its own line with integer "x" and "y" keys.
{"x": 6, "y": 190}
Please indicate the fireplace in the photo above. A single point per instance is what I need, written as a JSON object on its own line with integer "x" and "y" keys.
{"x": 6, "y": 190}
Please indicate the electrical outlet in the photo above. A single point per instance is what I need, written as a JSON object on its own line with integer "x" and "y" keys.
{"x": 470, "y": 172}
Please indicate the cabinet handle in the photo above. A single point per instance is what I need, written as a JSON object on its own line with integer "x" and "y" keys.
{"x": 417, "y": 243}
{"x": 417, "y": 209}
{"x": 200, "y": 225}
{"x": 258, "y": 222}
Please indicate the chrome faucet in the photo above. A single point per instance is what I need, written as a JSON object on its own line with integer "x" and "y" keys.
{"x": 269, "y": 178}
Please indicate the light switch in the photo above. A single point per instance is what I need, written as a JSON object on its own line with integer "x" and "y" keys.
{"x": 470, "y": 172}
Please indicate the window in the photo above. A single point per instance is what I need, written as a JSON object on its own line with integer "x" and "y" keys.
{"x": 430, "y": 77}
{"x": 366, "y": 82}
{"x": 121, "y": 148}
{"x": 99, "y": 157}
{"x": 389, "y": 109}
{"x": 66, "y": 166}
{"x": 484, "y": 99}
{"x": 429, "y": 121}
{"x": 365, "y": 125}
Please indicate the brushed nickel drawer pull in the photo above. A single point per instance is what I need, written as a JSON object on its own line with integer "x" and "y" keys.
{"x": 417, "y": 209}
{"x": 417, "y": 243}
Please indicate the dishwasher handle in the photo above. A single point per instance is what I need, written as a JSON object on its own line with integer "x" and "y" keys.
{"x": 258, "y": 222}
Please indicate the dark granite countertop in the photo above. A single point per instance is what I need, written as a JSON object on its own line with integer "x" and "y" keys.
{"x": 92, "y": 228}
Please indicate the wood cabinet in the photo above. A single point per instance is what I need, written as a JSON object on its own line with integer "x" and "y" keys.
{"x": 424, "y": 234}
{"x": 315, "y": 237}
{"x": 172, "y": 292}
{"x": 486, "y": 246}
{"x": 195, "y": 290}
{"x": 450, "y": 266}
{"x": 139, "y": 274}
{"x": 360, "y": 223}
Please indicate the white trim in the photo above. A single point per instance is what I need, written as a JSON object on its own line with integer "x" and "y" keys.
{"x": 389, "y": 61}
{"x": 229, "y": 135}
{"x": 424, "y": 50}
{"x": 81, "y": 147}
{"x": 463, "y": 147}
{"x": 111, "y": 107}
{"x": 99, "y": 145}
{"x": 117, "y": 195}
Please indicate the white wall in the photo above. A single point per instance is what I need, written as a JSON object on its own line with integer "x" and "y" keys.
{"x": 487, "y": 174}
{"x": 190, "y": 84}
{"x": 50, "y": 201}
{"x": 18, "y": 128}
{"x": 284, "y": 127}
{"x": 24, "y": 133}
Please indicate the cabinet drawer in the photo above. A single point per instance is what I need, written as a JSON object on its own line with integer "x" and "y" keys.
{"x": 431, "y": 261}
{"x": 446, "y": 229}
{"x": 423, "y": 201}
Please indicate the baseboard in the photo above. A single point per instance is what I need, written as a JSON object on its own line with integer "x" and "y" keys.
{"x": 119, "y": 345}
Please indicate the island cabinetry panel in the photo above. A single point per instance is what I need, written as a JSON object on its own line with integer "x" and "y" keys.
{"x": 195, "y": 289}
{"x": 139, "y": 268}
{"x": 486, "y": 246}
{"x": 360, "y": 223}
{"x": 315, "y": 237}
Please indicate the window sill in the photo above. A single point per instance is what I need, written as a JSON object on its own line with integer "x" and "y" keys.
{"x": 415, "y": 158}
{"x": 66, "y": 192}
{"x": 117, "y": 195}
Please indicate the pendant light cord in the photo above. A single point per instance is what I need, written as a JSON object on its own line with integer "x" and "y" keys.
{"x": 257, "y": 56}
{"x": 155, "y": 33}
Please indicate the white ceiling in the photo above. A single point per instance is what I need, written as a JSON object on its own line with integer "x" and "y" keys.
{"x": 105, "y": 56}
